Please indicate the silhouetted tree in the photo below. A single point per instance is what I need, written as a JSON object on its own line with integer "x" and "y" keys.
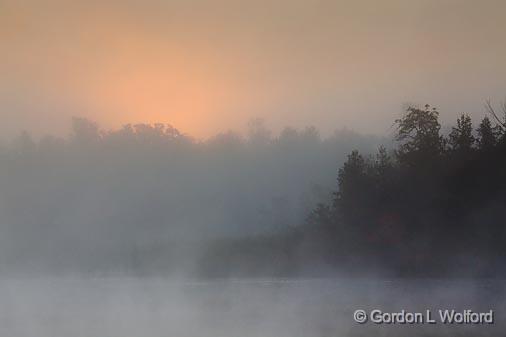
{"x": 461, "y": 139}
{"x": 352, "y": 180}
{"x": 499, "y": 118}
{"x": 383, "y": 163}
{"x": 487, "y": 134}
{"x": 418, "y": 132}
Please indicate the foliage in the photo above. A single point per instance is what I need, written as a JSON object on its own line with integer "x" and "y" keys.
{"x": 433, "y": 202}
{"x": 418, "y": 133}
{"x": 461, "y": 139}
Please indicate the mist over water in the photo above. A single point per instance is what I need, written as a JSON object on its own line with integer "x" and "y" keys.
{"x": 147, "y": 232}
{"x": 149, "y": 307}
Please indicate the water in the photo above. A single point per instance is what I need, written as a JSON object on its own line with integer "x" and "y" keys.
{"x": 156, "y": 307}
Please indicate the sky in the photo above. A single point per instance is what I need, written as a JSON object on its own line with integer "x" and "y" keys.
{"x": 212, "y": 65}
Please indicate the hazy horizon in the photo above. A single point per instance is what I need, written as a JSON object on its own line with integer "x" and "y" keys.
{"x": 210, "y": 66}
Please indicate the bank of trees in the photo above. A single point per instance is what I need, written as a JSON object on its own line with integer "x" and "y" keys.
{"x": 434, "y": 204}
{"x": 149, "y": 199}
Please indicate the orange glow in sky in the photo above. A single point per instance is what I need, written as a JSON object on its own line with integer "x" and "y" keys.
{"x": 159, "y": 85}
{"x": 212, "y": 65}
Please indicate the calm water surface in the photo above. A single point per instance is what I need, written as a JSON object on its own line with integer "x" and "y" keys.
{"x": 156, "y": 307}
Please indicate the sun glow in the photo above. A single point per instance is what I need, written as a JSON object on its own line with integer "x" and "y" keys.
{"x": 153, "y": 82}
{"x": 174, "y": 94}
{"x": 114, "y": 72}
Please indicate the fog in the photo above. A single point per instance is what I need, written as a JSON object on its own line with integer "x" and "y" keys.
{"x": 137, "y": 232}
{"x": 276, "y": 308}
{"x": 147, "y": 194}
{"x": 143, "y": 230}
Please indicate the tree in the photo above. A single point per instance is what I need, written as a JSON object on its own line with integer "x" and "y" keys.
{"x": 258, "y": 132}
{"x": 383, "y": 162}
{"x": 500, "y": 120}
{"x": 487, "y": 134}
{"x": 353, "y": 184}
{"x": 351, "y": 173}
{"x": 418, "y": 132}
{"x": 461, "y": 139}
{"x": 85, "y": 132}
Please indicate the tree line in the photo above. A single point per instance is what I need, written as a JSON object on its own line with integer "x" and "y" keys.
{"x": 149, "y": 199}
{"x": 433, "y": 206}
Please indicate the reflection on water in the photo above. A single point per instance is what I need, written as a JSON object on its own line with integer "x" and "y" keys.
{"x": 113, "y": 307}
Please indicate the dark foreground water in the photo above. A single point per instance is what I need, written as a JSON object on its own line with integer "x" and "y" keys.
{"x": 156, "y": 307}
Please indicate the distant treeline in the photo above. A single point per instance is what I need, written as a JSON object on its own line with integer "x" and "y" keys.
{"x": 149, "y": 199}
{"x": 434, "y": 206}
{"x": 146, "y": 198}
